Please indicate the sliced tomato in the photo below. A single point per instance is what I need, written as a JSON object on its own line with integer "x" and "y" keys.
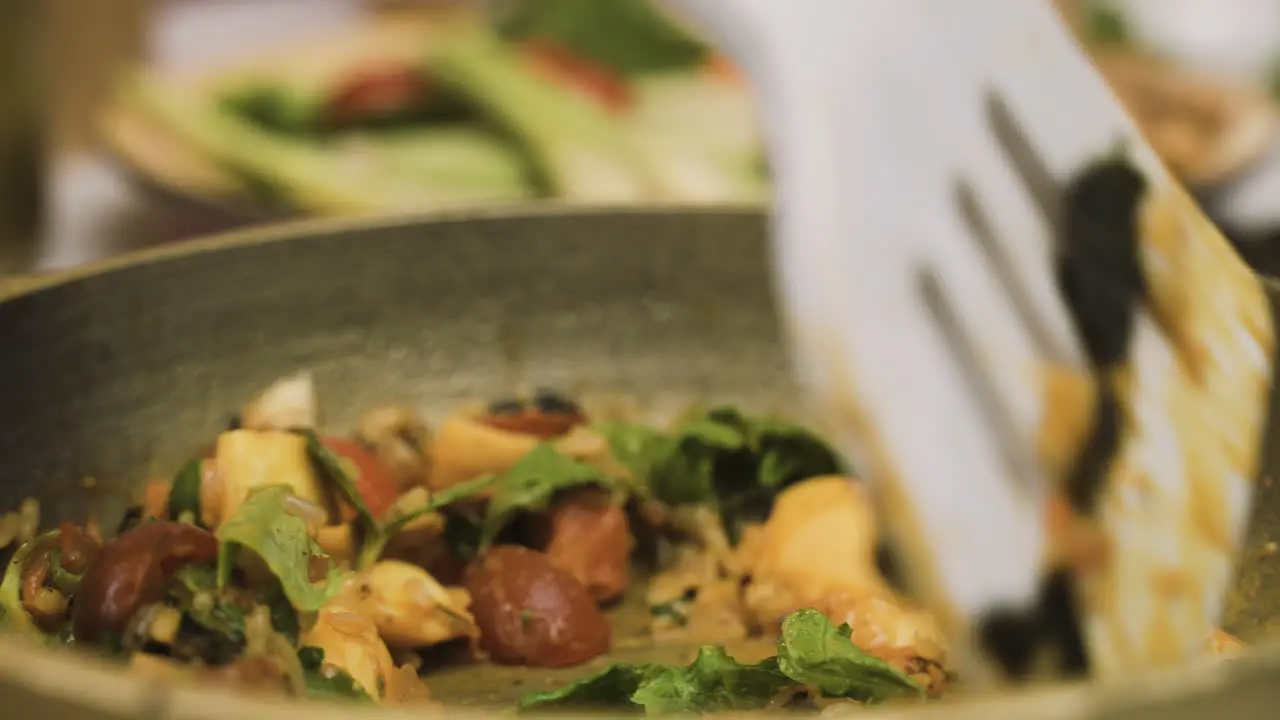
{"x": 572, "y": 70}
{"x": 373, "y": 482}
{"x": 376, "y": 92}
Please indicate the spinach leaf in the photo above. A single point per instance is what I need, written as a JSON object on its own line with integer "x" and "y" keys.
{"x": 328, "y": 682}
{"x": 531, "y": 484}
{"x": 195, "y": 592}
{"x": 184, "y": 495}
{"x": 12, "y": 614}
{"x": 212, "y": 627}
{"x": 628, "y": 37}
{"x": 724, "y": 458}
{"x": 262, "y": 525}
{"x": 812, "y": 651}
{"x": 373, "y": 547}
{"x": 714, "y": 682}
{"x": 462, "y": 534}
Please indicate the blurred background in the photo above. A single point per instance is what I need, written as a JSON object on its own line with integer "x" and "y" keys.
{"x": 127, "y": 123}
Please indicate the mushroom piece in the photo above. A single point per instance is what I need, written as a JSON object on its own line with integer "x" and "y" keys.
{"x": 249, "y": 459}
{"x": 288, "y": 403}
{"x": 466, "y": 448}
{"x": 408, "y": 606}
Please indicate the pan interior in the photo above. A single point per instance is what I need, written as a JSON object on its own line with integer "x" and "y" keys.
{"x": 118, "y": 375}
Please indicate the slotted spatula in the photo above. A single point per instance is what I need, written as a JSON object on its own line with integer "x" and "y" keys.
{"x": 1050, "y": 366}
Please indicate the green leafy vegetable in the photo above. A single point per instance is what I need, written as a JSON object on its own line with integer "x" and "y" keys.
{"x": 184, "y": 495}
{"x": 714, "y": 682}
{"x": 264, "y": 526}
{"x": 1106, "y": 24}
{"x": 579, "y": 150}
{"x": 609, "y": 689}
{"x": 195, "y": 591}
{"x": 813, "y": 651}
{"x": 724, "y": 458}
{"x": 330, "y": 469}
{"x": 531, "y": 484}
{"x": 328, "y": 682}
{"x": 12, "y": 614}
{"x": 374, "y": 546}
{"x": 628, "y": 37}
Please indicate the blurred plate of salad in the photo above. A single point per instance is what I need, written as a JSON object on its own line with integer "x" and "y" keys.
{"x": 578, "y": 101}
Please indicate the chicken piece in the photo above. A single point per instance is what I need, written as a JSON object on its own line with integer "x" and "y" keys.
{"x": 820, "y": 537}
{"x": 408, "y": 607}
{"x": 350, "y": 642}
{"x": 288, "y": 403}
{"x": 401, "y": 441}
{"x": 887, "y": 627}
{"x": 250, "y": 459}
{"x": 817, "y": 549}
{"x": 589, "y": 537}
{"x": 465, "y": 448}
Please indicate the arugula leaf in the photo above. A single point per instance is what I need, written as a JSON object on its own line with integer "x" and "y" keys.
{"x": 373, "y": 547}
{"x": 531, "y": 484}
{"x": 262, "y": 525}
{"x": 628, "y": 37}
{"x": 813, "y": 651}
{"x": 608, "y": 689}
{"x": 328, "y": 682}
{"x": 184, "y": 495}
{"x": 12, "y": 614}
{"x": 330, "y": 469}
{"x": 714, "y": 682}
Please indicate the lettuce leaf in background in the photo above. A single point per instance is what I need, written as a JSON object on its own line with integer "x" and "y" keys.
{"x": 628, "y": 37}
{"x": 333, "y": 178}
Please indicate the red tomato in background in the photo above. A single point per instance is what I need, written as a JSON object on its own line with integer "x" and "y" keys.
{"x": 373, "y": 482}
{"x": 578, "y": 73}
{"x": 376, "y": 92}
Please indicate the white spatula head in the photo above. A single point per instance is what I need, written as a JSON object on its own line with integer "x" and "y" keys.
{"x": 990, "y": 282}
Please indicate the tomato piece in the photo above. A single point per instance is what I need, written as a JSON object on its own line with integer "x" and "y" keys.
{"x": 373, "y": 482}
{"x": 568, "y": 68}
{"x": 376, "y": 92}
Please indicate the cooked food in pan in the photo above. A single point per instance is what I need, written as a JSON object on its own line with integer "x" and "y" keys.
{"x": 524, "y": 533}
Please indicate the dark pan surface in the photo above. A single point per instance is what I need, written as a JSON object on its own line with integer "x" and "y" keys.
{"x": 119, "y": 374}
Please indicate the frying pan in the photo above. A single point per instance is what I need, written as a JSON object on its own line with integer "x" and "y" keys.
{"x": 117, "y": 371}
